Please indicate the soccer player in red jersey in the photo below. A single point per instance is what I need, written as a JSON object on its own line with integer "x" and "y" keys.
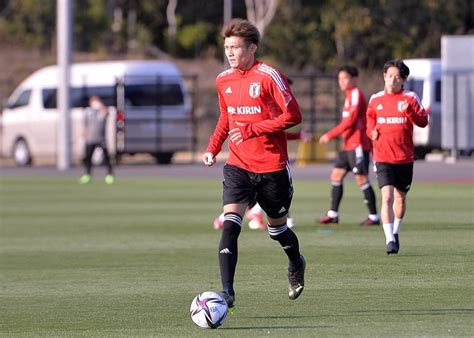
{"x": 256, "y": 106}
{"x": 355, "y": 155}
{"x": 391, "y": 115}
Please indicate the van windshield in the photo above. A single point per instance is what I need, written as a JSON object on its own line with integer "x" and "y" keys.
{"x": 135, "y": 95}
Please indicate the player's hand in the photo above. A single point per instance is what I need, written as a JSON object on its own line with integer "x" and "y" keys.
{"x": 374, "y": 134}
{"x": 209, "y": 159}
{"x": 235, "y": 136}
{"x": 324, "y": 139}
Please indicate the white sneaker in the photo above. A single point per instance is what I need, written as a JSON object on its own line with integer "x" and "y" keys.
{"x": 290, "y": 222}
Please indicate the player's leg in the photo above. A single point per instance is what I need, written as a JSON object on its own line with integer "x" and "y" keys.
{"x": 274, "y": 194}
{"x": 109, "y": 179}
{"x": 255, "y": 216}
{"x": 386, "y": 179}
{"x": 399, "y": 209}
{"x": 404, "y": 176}
{"x": 290, "y": 221}
{"x": 369, "y": 199}
{"x": 338, "y": 173}
{"x": 359, "y": 160}
{"x": 219, "y": 222}
{"x": 238, "y": 193}
{"x": 89, "y": 150}
{"x": 228, "y": 246}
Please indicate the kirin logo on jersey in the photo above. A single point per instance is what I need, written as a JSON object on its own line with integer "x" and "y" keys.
{"x": 244, "y": 110}
{"x": 254, "y": 90}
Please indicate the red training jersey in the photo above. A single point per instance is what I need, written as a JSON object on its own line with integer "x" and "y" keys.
{"x": 260, "y": 103}
{"x": 353, "y": 124}
{"x": 394, "y": 125}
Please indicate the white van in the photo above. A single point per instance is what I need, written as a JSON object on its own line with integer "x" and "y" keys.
{"x": 150, "y": 110}
{"x": 425, "y": 80}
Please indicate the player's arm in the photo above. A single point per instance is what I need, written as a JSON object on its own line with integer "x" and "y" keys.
{"x": 221, "y": 130}
{"x": 372, "y": 131}
{"x": 416, "y": 113}
{"x": 349, "y": 119}
{"x": 290, "y": 114}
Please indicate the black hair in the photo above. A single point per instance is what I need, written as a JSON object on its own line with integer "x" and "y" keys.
{"x": 398, "y": 63}
{"x": 351, "y": 70}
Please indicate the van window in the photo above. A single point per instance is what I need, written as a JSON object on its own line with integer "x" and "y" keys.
{"x": 80, "y": 96}
{"x": 22, "y": 100}
{"x": 438, "y": 91}
{"x": 163, "y": 94}
{"x": 136, "y": 95}
{"x": 415, "y": 86}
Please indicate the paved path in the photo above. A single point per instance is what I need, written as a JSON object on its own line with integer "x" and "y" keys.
{"x": 461, "y": 171}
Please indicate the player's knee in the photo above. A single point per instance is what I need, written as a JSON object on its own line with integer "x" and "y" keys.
{"x": 232, "y": 224}
{"x": 275, "y": 231}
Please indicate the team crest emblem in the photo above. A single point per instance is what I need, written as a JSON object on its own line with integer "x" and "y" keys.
{"x": 402, "y": 106}
{"x": 254, "y": 90}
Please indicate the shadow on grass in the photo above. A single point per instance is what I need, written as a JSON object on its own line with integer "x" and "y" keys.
{"x": 419, "y": 312}
{"x": 277, "y": 327}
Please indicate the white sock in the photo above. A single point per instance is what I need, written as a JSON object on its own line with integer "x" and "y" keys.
{"x": 397, "y": 223}
{"x": 333, "y": 214}
{"x": 388, "y": 230}
{"x": 374, "y": 217}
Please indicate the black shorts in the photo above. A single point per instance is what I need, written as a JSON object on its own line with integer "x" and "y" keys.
{"x": 273, "y": 191}
{"x": 355, "y": 161}
{"x": 398, "y": 175}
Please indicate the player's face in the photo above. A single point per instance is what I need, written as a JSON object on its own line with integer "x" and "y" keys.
{"x": 239, "y": 55}
{"x": 393, "y": 80}
{"x": 346, "y": 81}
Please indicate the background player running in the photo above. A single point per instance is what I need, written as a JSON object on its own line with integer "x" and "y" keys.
{"x": 355, "y": 154}
{"x": 391, "y": 115}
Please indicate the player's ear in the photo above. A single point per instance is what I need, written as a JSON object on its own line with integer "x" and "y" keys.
{"x": 253, "y": 47}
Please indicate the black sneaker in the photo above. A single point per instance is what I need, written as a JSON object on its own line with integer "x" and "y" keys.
{"x": 391, "y": 248}
{"x": 296, "y": 280}
{"x": 397, "y": 242}
{"x": 229, "y": 299}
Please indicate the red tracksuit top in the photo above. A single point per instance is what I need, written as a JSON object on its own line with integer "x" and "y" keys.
{"x": 260, "y": 99}
{"x": 353, "y": 124}
{"x": 395, "y": 127}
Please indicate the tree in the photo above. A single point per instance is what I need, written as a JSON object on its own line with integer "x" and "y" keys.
{"x": 261, "y": 12}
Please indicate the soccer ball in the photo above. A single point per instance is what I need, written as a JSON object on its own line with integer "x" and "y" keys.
{"x": 208, "y": 310}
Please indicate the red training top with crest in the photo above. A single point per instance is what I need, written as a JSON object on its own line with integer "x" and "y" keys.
{"x": 394, "y": 125}
{"x": 353, "y": 124}
{"x": 260, "y": 103}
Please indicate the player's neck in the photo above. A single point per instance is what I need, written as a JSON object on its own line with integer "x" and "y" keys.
{"x": 247, "y": 65}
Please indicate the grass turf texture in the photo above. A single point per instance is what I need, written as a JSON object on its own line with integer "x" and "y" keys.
{"x": 127, "y": 259}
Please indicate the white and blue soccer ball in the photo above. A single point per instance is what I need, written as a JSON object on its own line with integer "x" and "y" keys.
{"x": 208, "y": 310}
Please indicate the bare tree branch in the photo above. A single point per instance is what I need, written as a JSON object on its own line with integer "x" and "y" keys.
{"x": 261, "y": 12}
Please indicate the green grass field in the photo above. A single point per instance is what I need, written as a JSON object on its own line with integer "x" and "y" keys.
{"x": 127, "y": 259}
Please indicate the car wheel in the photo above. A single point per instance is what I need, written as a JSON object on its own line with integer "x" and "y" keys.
{"x": 163, "y": 157}
{"x": 21, "y": 153}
